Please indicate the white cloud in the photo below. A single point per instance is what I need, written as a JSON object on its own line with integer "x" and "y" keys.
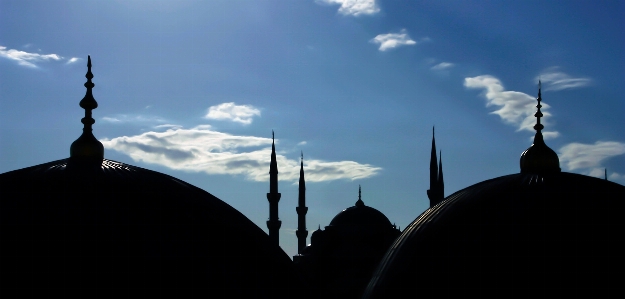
{"x": 168, "y": 126}
{"x": 442, "y": 66}
{"x": 26, "y": 58}
{"x": 354, "y": 7}
{"x": 617, "y": 177}
{"x": 230, "y": 111}
{"x": 513, "y": 107}
{"x": 132, "y": 118}
{"x": 302, "y": 143}
{"x": 394, "y": 40}
{"x": 556, "y": 80}
{"x": 586, "y": 156}
{"x": 73, "y": 59}
{"x": 202, "y": 150}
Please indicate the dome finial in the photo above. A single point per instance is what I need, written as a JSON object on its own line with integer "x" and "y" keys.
{"x": 360, "y": 203}
{"x": 539, "y": 158}
{"x": 87, "y": 147}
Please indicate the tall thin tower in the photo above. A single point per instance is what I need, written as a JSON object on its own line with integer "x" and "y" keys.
{"x": 437, "y": 189}
{"x": 274, "y": 223}
{"x": 301, "y": 209}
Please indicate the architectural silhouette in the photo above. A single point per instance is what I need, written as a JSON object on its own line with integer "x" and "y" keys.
{"x": 436, "y": 193}
{"x": 91, "y": 227}
{"x": 274, "y": 223}
{"x": 301, "y": 209}
{"x": 539, "y": 233}
{"x": 87, "y": 226}
{"x": 340, "y": 260}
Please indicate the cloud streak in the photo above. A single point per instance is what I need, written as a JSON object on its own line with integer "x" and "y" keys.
{"x": 26, "y": 58}
{"x": 584, "y": 156}
{"x": 132, "y": 118}
{"x": 354, "y": 7}
{"x": 513, "y": 107}
{"x": 555, "y": 80}
{"x": 232, "y": 112}
{"x": 589, "y": 158}
{"x": 201, "y": 149}
{"x": 442, "y": 66}
{"x": 393, "y": 40}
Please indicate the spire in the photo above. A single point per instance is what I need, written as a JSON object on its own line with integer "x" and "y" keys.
{"x": 301, "y": 209}
{"x": 360, "y": 203}
{"x": 435, "y": 193}
{"x": 87, "y": 147}
{"x": 274, "y": 223}
{"x": 441, "y": 183}
{"x": 273, "y": 167}
{"x": 605, "y": 174}
{"x": 433, "y": 166}
{"x": 539, "y": 158}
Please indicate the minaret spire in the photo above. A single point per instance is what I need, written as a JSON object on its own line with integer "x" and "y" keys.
{"x": 273, "y": 224}
{"x": 87, "y": 147}
{"x": 435, "y": 194}
{"x": 441, "y": 183}
{"x": 301, "y": 209}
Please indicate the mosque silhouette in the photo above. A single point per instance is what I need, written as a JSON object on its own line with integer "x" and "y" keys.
{"x": 87, "y": 227}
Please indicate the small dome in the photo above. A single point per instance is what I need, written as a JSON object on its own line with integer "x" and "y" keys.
{"x": 360, "y": 216}
{"x": 539, "y": 158}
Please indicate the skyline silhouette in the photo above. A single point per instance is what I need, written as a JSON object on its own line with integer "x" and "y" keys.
{"x": 192, "y": 90}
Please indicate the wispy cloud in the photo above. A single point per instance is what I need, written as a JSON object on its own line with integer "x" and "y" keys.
{"x": 232, "y": 112}
{"x": 513, "y": 107}
{"x": 555, "y": 80}
{"x": 580, "y": 155}
{"x": 354, "y": 7}
{"x": 393, "y": 40}
{"x": 589, "y": 158}
{"x": 133, "y": 118}
{"x": 73, "y": 59}
{"x": 168, "y": 126}
{"x": 25, "y": 58}
{"x": 442, "y": 66}
{"x": 201, "y": 149}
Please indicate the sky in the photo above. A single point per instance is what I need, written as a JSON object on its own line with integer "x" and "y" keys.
{"x": 193, "y": 89}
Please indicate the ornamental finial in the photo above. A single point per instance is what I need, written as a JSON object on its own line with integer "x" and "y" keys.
{"x": 539, "y": 158}
{"x": 87, "y": 147}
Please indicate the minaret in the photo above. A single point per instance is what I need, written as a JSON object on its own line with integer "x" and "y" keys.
{"x": 436, "y": 180}
{"x": 273, "y": 224}
{"x": 301, "y": 209}
{"x": 441, "y": 182}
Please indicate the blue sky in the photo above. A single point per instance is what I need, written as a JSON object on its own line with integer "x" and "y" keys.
{"x": 193, "y": 89}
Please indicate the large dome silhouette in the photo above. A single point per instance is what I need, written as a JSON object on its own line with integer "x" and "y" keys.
{"x": 86, "y": 225}
{"x": 539, "y": 233}
{"x": 520, "y": 234}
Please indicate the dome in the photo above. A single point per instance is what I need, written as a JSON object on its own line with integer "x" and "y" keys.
{"x": 126, "y": 230}
{"x": 88, "y": 225}
{"x": 538, "y": 233}
{"x": 520, "y": 233}
{"x": 360, "y": 216}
